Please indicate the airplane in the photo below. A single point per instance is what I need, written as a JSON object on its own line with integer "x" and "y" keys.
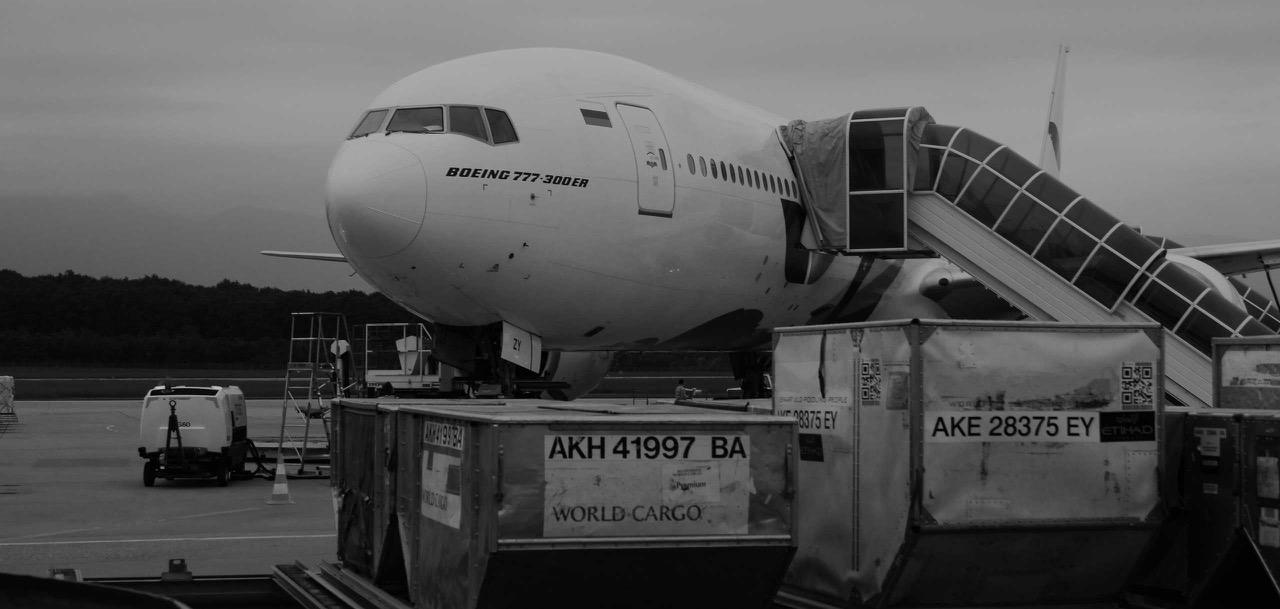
{"x": 576, "y": 204}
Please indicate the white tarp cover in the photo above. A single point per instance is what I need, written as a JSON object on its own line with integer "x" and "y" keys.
{"x": 6, "y": 393}
{"x": 821, "y": 152}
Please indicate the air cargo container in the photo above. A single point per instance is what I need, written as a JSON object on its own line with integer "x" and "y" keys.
{"x": 971, "y": 464}
{"x": 464, "y": 504}
{"x": 1246, "y": 373}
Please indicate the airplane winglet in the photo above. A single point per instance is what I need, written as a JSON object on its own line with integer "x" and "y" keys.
{"x": 306, "y": 256}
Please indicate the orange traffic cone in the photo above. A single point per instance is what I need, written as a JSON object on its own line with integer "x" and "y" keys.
{"x": 280, "y": 490}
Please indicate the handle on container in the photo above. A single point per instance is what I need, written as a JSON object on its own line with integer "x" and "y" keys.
{"x": 788, "y": 486}
{"x": 497, "y": 495}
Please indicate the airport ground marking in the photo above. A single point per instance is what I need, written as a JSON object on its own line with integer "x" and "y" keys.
{"x": 217, "y": 513}
{"x": 165, "y": 539}
{"x": 39, "y": 535}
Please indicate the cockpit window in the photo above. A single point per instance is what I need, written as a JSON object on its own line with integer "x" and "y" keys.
{"x": 467, "y": 120}
{"x": 370, "y": 123}
{"x": 501, "y": 127}
{"x": 417, "y": 120}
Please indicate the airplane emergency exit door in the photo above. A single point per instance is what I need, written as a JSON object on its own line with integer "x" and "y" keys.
{"x": 654, "y": 174}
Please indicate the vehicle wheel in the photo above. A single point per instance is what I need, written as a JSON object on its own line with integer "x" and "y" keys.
{"x": 149, "y": 473}
{"x": 222, "y": 473}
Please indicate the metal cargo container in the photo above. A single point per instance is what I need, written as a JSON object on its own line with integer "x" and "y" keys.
{"x": 1162, "y": 574}
{"x": 960, "y": 463}
{"x": 577, "y": 505}
{"x": 1211, "y": 479}
{"x": 1260, "y": 488}
{"x": 1246, "y": 372}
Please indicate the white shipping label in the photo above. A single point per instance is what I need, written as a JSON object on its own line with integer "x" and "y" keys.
{"x": 612, "y": 485}
{"x": 1269, "y": 535}
{"x": 644, "y": 447}
{"x": 1211, "y": 440}
{"x": 1269, "y": 477}
{"x": 442, "y": 488}
{"x": 442, "y": 446}
{"x": 1034, "y": 426}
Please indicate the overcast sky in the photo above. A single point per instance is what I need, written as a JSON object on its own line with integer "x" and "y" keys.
{"x": 1172, "y": 116}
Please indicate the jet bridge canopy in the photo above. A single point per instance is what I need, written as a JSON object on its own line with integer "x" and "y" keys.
{"x": 854, "y": 174}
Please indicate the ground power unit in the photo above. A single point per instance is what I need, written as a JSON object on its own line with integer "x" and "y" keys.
{"x": 193, "y": 432}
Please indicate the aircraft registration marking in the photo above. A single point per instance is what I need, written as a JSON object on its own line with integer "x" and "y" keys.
{"x": 515, "y": 176}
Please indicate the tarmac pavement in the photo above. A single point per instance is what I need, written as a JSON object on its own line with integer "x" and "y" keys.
{"x": 71, "y": 496}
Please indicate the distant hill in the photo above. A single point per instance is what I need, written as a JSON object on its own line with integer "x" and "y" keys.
{"x": 115, "y": 237}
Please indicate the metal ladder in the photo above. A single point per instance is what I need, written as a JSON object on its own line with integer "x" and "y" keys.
{"x": 314, "y": 375}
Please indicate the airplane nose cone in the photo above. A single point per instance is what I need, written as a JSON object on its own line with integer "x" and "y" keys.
{"x": 376, "y": 197}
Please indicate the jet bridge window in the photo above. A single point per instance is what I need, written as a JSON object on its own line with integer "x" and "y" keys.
{"x": 417, "y": 120}
{"x": 370, "y": 123}
{"x": 467, "y": 121}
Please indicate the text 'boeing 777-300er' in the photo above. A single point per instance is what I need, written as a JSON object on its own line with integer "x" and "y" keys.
{"x": 547, "y": 207}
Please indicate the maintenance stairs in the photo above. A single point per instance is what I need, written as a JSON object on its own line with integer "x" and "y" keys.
{"x": 318, "y": 370}
{"x": 1026, "y": 236}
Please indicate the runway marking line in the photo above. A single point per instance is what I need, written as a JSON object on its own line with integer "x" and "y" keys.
{"x": 217, "y": 513}
{"x": 165, "y": 539}
{"x": 38, "y": 535}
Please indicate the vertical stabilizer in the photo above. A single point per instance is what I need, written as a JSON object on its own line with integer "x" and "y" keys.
{"x": 1051, "y": 150}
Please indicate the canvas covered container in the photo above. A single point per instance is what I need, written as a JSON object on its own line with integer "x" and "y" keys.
{"x": 500, "y": 505}
{"x": 962, "y": 463}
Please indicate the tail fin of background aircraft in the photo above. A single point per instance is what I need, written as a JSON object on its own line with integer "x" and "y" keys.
{"x": 1051, "y": 150}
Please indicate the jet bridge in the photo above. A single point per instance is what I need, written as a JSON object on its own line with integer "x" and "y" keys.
{"x": 883, "y": 182}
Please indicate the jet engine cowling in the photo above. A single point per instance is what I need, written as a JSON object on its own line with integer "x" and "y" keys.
{"x": 582, "y": 371}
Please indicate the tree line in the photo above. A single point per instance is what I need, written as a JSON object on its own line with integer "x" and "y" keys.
{"x": 73, "y": 319}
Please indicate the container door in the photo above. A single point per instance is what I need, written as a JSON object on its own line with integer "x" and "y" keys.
{"x": 654, "y": 175}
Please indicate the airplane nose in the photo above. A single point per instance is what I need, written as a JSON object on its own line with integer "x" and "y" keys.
{"x": 376, "y": 197}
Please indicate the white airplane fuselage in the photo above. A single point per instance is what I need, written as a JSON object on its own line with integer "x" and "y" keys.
{"x": 581, "y": 232}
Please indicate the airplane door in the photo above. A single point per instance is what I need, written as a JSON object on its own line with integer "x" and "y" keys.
{"x": 654, "y": 174}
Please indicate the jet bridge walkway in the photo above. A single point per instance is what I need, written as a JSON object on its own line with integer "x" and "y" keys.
{"x": 1022, "y": 233}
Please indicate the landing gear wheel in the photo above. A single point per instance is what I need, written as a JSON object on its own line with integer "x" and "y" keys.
{"x": 149, "y": 473}
{"x": 222, "y": 473}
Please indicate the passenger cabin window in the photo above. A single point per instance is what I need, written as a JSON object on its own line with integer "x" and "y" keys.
{"x": 417, "y": 120}
{"x": 370, "y": 123}
{"x": 467, "y": 121}
{"x": 500, "y": 126}
{"x": 714, "y": 174}
{"x": 702, "y": 164}
{"x": 662, "y": 154}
